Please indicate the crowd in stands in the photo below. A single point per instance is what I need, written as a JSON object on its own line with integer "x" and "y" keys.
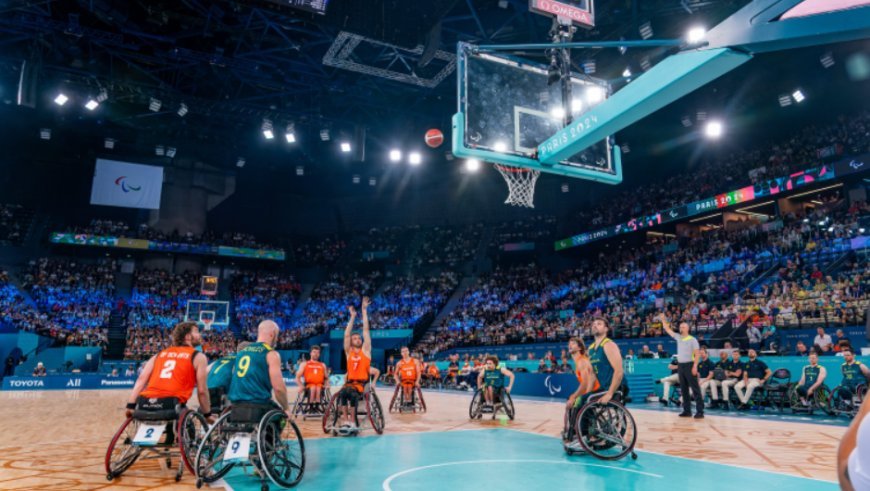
{"x": 144, "y": 342}
{"x": 807, "y": 148}
{"x": 320, "y": 251}
{"x": 73, "y": 294}
{"x": 159, "y": 298}
{"x": 118, "y": 228}
{"x": 387, "y": 244}
{"x": 406, "y": 300}
{"x": 15, "y": 221}
{"x": 448, "y": 246}
{"x": 703, "y": 281}
{"x": 264, "y": 295}
{"x": 538, "y": 228}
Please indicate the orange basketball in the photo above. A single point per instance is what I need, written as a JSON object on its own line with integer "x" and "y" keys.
{"x": 434, "y": 138}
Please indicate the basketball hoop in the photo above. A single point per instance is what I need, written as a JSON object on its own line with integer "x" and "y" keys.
{"x": 207, "y": 319}
{"x": 521, "y": 184}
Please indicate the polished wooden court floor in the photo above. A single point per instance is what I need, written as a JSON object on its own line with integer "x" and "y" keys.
{"x": 57, "y": 439}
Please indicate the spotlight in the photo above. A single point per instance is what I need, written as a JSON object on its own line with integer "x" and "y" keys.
{"x": 500, "y": 147}
{"x": 267, "y": 129}
{"x": 91, "y": 105}
{"x": 472, "y": 165}
{"x": 109, "y": 143}
{"x": 290, "y": 134}
{"x": 830, "y": 229}
{"x": 356, "y": 178}
{"x": 240, "y": 162}
{"x": 565, "y": 188}
{"x": 645, "y": 63}
{"x": 159, "y": 150}
{"x": 154, "y": 105}
{"x": 576, "y": 105}
{"x": 415, "y": 158}
{"x": 300, "y": 170}
{"x": 627, "y": 72}
{"x": 395, "y": 155}
{"x": 372, "y": 181}
{"x": 170, "y": 152}
{"x": 102, "y": 96}
{"x": 784, "y": 100}
{"x": 696, "y": 35}
{"x": 324, "y": 135}
{"x": 827, "y": 60}
{"x": 589, "y": 67}
{"x": 45, "y": 133}
{"x": 622, "y": 49}
{"x": 714, "y": 129}
{"x": 861, "y": 230}
{"x": 182, "y": 110}
{"x": 345, "y": 147}
{"x": 798, "y": 96}
{"x": 594, "y": 94}
{"x": 701, "y": 115}
{"x": 557, "y": 113}
{"x": 61, "y": 99}
{"x": 822, "y": 223}
{"x": 646, "y": 30}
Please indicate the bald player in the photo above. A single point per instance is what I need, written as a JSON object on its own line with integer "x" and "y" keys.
{"x": 257, "y": 371}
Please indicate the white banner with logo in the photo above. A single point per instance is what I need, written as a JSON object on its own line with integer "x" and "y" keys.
{"x": 127, "y": 185}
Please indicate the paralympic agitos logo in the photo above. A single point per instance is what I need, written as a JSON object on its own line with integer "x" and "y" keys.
{"x": 125, "y": 186}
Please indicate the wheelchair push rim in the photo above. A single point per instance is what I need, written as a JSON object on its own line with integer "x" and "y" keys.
{"x": 281, "y": 449}
{"x": 192, "y": 427}
{"x": 475, "y": 410}
{"x": 115, "y": 466}
{"x": 209, "y": 455}
{"x": 375, "y": 413}
{"x": 608, "y": 426}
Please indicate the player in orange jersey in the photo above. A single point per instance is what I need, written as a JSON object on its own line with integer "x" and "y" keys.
{"x": 170, "y": 376}
{"x": 358, "y": 349}
{"x": 408, "y": 373}
{"x": 314, "y": 374}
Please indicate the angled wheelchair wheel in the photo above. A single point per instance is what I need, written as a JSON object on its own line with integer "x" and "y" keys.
{"x": 122, "y": 453}
{"x": 475, "y": 410}
{"x": 209, "y": 464}
{"x": 421, "y": 403}
{"x": 281, "y": 449}
{"x": 330, "y": 415}
{"x": 397, "y": 398}
{"x": 192, "y": 427}
{"x": 508, "y": 404}
{"x": 299, "y": 404}
{"x": 375, "y": 412}
{"x": 821, "y": 396}
{"x": 607, "y": 431}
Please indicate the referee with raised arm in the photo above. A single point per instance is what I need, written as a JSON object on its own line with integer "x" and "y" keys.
{"x": 688, "y": 357}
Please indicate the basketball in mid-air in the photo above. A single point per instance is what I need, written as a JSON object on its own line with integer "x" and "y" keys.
{"x": 434, "y": 138}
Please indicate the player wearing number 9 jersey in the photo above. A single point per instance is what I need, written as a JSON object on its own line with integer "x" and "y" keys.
{"x": 175, "y": 371}
{"x": 257, "y": 371}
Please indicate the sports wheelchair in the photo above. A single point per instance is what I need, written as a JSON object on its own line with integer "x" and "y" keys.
{"x": 252, "y": 436}
{"x": 309, "y": 409}
{"x": 502, "y": 402}
{"x": 372, "y": 413}
{"x": 605, "y": 431}
{"x": 840, "y": 406}
{"x": 398, "y": 404}
{"x": 160, "y": 428}
{"x": 818, "y": 401}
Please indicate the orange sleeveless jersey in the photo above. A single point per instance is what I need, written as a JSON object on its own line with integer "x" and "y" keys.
{"x": 358, "y": 366}
{"x": 407, "y": 370}
{"x": 173, "y": 374}
{"x": 595, "y": 386}
{"x": 433, "y": 370}
{"x": 314, "y": 373}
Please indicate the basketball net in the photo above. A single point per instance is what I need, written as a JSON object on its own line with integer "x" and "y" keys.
{"x": 521, "y": 185}
{"x": 206, "y": 324}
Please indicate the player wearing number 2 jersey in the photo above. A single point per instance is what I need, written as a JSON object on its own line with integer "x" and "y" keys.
{"x": 257, "y": 371}
{"x": 175, "y": 371}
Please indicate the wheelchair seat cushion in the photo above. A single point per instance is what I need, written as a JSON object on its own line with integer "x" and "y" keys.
{"x": 157, "y": 409}
{"x": 249, "y": 413}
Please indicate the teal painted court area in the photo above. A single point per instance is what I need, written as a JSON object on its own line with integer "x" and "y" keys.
{"x": 502, "y": 459}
